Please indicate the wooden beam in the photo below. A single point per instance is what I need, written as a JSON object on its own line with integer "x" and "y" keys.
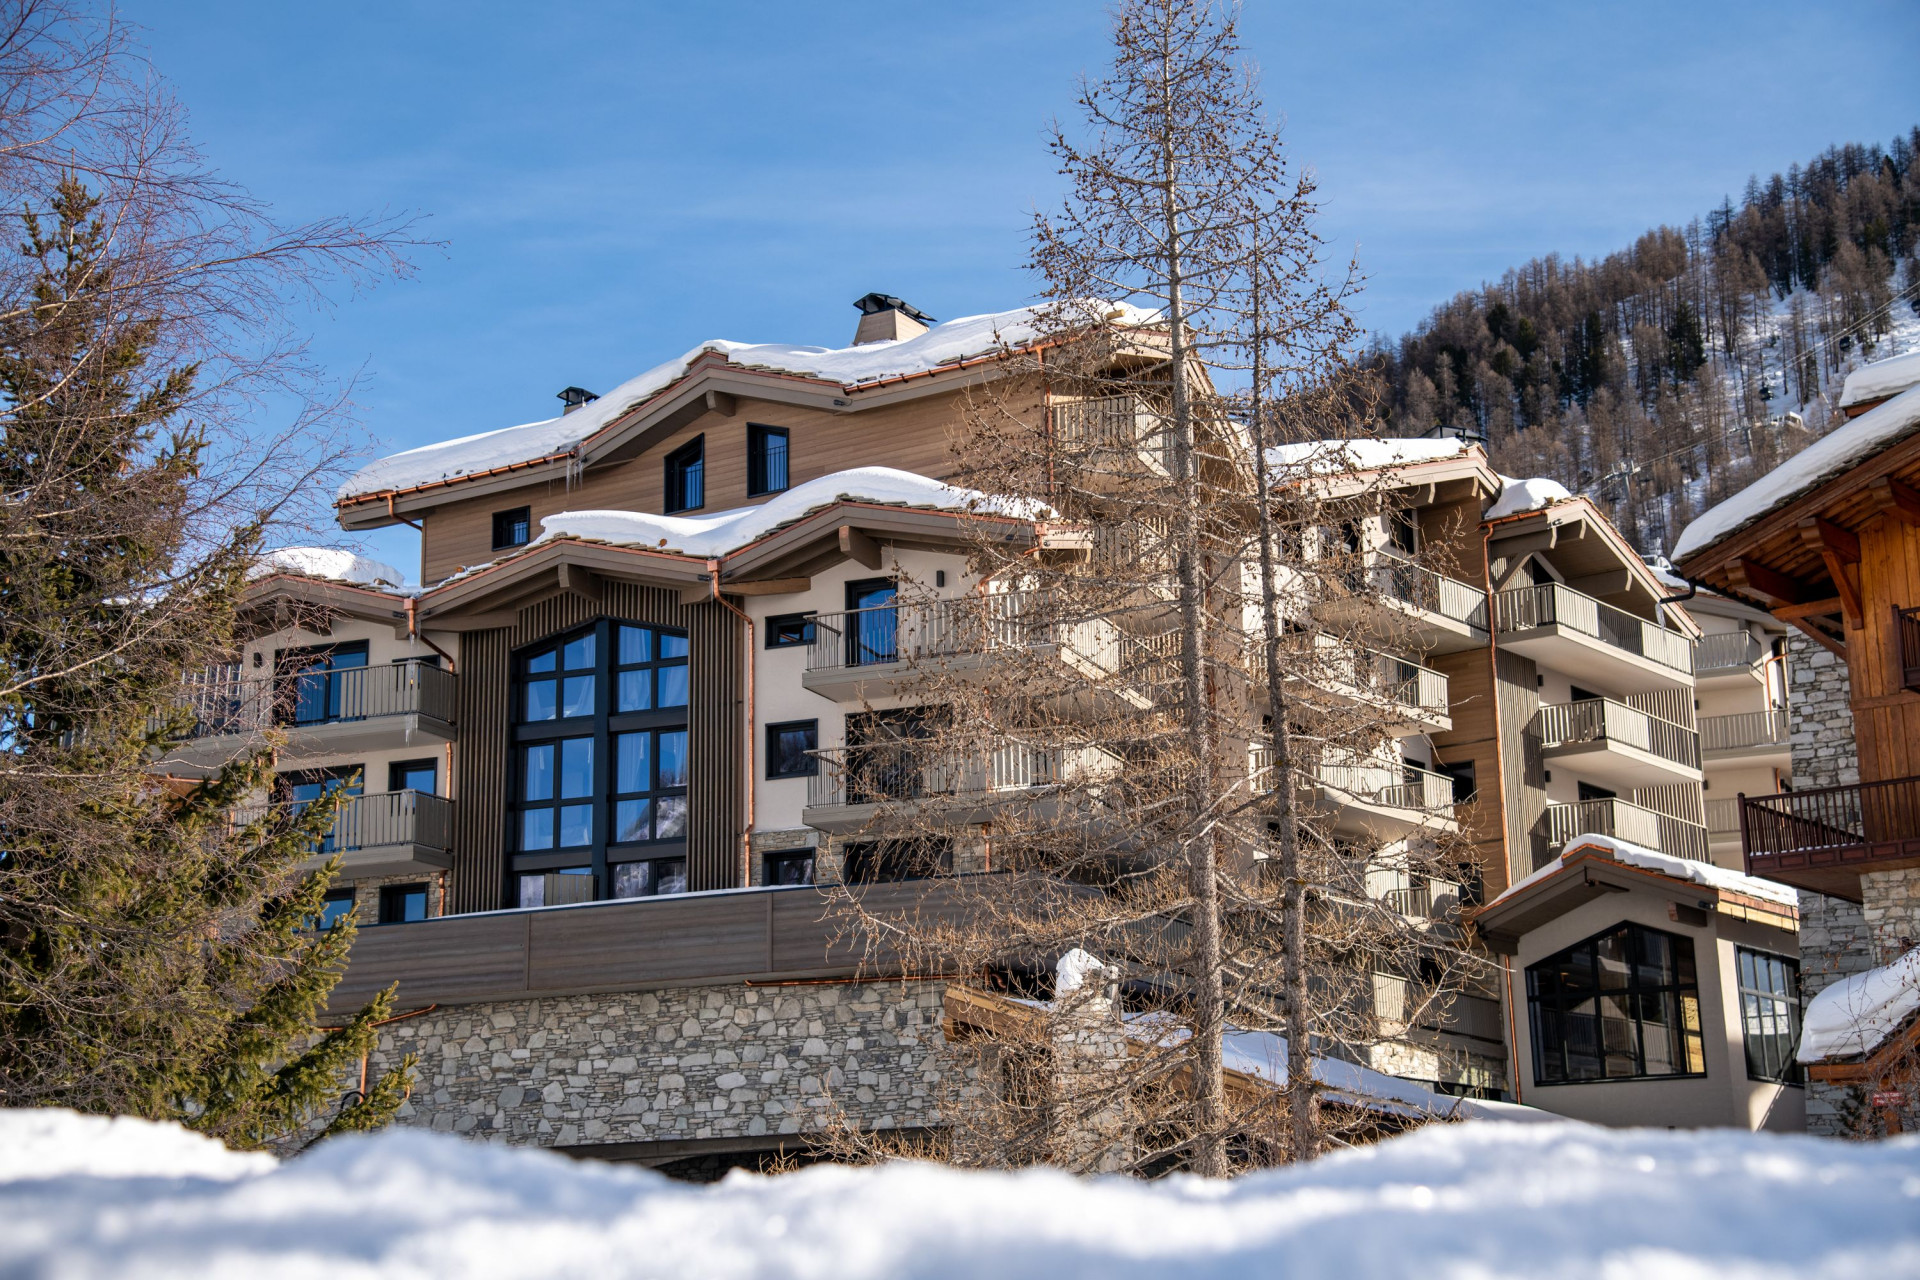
{"x": 1811, "y": 609}
{"x": 1752, "y": 576}
{"x": 721, "y": 403}
{"x": 1838, "y": 648}
{"x": 696, "y": 593}
{"x": 1838, "y": 548}
{"x": 859, "y": 546}
{"x": 581, "y": 583}
{"x": 767, "y": 587}
{"x": 1901, "y": 501}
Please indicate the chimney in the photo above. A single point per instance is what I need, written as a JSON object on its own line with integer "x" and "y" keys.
{"x": 574, "y": 397}
{"x": 884, "y": 318}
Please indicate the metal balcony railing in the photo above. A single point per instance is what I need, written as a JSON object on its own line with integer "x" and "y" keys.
{"x": 1387, "y": 786}
{"x": 1724, "y": 651}
{"x": 225, "y": 702}
{"x": 1528, "y": 608}
{"x": 917, "y": 770}
{"x": 1723, "y": 817}
{"x": 1115, "y": 422}
{"x": 388, "y": 818}
{"x": 915, "y": 630}
{"x": 1420, "y": 588}
{"x": 1604, "y": 720}
{"x": 1401, "y": 682}
{"x": 1435, "y": 900}
{"x": 1622, "y": 820}
{"x": 1860, "y": 816}
{"x": 1747, "y": 729}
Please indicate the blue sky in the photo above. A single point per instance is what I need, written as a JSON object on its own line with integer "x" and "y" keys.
{"x": 616, "y": 182}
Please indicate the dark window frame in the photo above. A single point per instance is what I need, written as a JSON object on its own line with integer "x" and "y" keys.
{"x": 1761, "y": 1043}
{"x": 513, "y": 518}
{"x": 896, "y": 860}
{"x": 398, "y": 893}
{"x": 300, "y": 672}
{"x": 686, "y": 477}
{"x": 778, "y": 624}
{"x": 396, "y": 769}
{"x": 322, "y": 922}
{"x": 759, "y": 457}
{"x": 668, "y": 649}
{"x": 1551, "y": 1009}
{"x": 812, "y": 767}
{"x": 770, "y": 863}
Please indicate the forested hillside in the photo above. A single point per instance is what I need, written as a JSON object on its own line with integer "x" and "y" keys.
{"x": 1665, "y": 376}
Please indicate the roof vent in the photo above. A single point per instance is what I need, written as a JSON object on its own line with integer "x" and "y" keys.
{"x": 884, "y": 318}
{"x": 574, "y": 397}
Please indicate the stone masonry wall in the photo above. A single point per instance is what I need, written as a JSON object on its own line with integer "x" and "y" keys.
{"x": 688, "y": 1063}
{"x": 1834, "y": 937}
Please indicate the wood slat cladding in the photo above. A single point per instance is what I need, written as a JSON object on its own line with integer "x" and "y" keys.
{"x": 715, "y": 746}
{"x": 1472, "y": 738}
{"x": 1522, "y": 770}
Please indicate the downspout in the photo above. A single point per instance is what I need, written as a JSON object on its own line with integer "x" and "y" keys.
{"x": 415, "y": 633}
{"x": 400, "y": 519}
{"x": 746, "y": 832}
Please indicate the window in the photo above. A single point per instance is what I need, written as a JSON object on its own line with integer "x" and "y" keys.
{"x": 790, "y": 630}
{"x": 879, "y": 861}
{"x": 512, "y": 528}
{"x": 790, "y": 749}
{"x": 601, "y": 767}
{"x": 1403, "y": 531}
{"x": 1465, "y": 784}
{"x": 403, "y": 903}
{"x": 333, "y": 908}
{"x": 766, "y": 460}
{"x": 790, "y": 866}
{"x": 414, "y": 775}
{"x": 301, "y": 789}
{"x": 873, "y": 633}
{"x": 1623, "y": 1005}
{"x": 687, "y": 476}
{"x": 315, "y": 686}
{"x": 1770, "y": 1014}
{"x": 1588, "y": 792}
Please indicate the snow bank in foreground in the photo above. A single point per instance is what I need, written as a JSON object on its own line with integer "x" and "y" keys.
{"x": 59, "y": 1144}
{"x": 727, "y": 531}
{"x": 1446, "y": 1203}
{"x": 1856, "y": 1013}
{"x": 1703, "y": 873}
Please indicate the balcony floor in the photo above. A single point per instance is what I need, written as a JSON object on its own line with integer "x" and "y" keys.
{"x": 204, "y": 757}
{"x": 1835, "y": 870}
{"x": 385, "y": 860}
{"x": 1618, "y": 765}
{"x": 1561, "y": 648}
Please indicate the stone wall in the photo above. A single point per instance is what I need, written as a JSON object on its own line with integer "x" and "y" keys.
{"x": 674, "y": 1065}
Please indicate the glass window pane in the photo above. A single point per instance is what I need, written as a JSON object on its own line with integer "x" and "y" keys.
{"x": 542, "y": 661}
{"x": 634, "y": 771}
{"x": 536, "y": 829}
{"x": 673, "y": 686}
{"x": 636, "y": 645}
{"x": 576, "y": 825}
{"x": 671, "y": 876}
{"x": 576, "y": 767}
{"x": 672, "y": 646}
{"x": 672, "y": 821}
{"x": 540, "y": 700}
{"x": 533, "y": 891}
{"x": 537, "y": 770}
{"x": 634, "y": 880}
{"x": 673, "y": 759}
{"x": 636, "y": 690}
{"x": 578, "y": 654}
{"x": 577, "y": 696}
{"x": 632, "y": 821}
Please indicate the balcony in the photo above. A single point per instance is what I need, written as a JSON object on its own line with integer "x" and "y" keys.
{"x": 1728, "y": 657}
{"x": 1752, "y": 737}
{"x": 1613, "y": 743}
{"x": 321, "y": 712}
{"x": 1111, "y": 436}
{"x": 393, "y": 833}
{"x": 1429, "y": 611}
{"x": 865, "y": 654}
{"x": 855, "y": 785}
{"x": 1660, "y": 832}
{"x": 1567, "y": 631}
{"x": 1414, "y": 698}
{"x": 1368, "y": 797}
{"x": 1824, "y": 839}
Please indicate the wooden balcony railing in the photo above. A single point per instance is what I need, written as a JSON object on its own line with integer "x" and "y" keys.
{"x": 1867, "y": 821}
{"x": 1604, "y": 720}
{"x": 1115, "y": 422}
{"x": 1550, "y": 604}
{"x": 1418, "y": 587}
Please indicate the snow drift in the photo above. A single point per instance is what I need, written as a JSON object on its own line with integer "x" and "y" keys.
{"x": 1447, "y": 1203}
{"x": 1855, "y": 1014}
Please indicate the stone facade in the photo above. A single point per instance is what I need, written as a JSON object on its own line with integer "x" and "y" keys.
{"x": 673, "y": 1065}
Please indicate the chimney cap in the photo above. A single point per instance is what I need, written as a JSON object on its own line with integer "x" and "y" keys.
{"x": 574, "y": 397}
{"x": 874, "y": 303}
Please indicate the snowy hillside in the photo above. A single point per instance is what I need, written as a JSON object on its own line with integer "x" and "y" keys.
{"x": 1460, "y": 1201}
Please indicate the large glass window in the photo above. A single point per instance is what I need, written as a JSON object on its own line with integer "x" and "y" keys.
{"x": 872, "y": 622}
{"x": 1770, "y": 1014}
{"x": 300, "y": 789}
{"x": 315, "y": 687}
{"x": 601, "y": 765}
{"x": 1623, "y": 1005}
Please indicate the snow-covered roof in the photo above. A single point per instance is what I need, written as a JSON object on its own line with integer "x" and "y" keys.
{"x": 1701, "y": 873}
{"x": 1835, "y": 453}
{"x": 1855, "y": 1014}
{"x": 331, "y": 564}
{"x": 728, "y": 531}
{"x": 1448, "y": 1201}
{"x": 1526, "y": 495}
{"x": 1331, "y": 457}
{"x": 947, "y": 343}
{"x": 1263, "y": 1054}
{"x": 1880, "y": 379}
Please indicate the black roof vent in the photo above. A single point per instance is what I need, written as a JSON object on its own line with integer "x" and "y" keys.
{"x": 874, "y": 303}
{"x": 574, "y": 397}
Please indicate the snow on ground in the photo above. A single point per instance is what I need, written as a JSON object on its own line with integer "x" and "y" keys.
{"x": 947, "y": 343}
{"x": 728, "y": 531}
{"x": 1834, "y": 453}
{"x": 1702, "y": 873}
{"x": 1450, "y": 1202}
{"x": 1525, "y": 495}
{"x": 1855, "y": 1014}
{"x": 329, "y": 563}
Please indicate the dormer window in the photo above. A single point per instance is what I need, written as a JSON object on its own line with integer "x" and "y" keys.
{"x": 687, "y": 477}
{"x": 766, "y": 460}
{"x": 512, "y": 528}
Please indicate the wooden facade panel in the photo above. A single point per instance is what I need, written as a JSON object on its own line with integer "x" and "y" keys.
{"x": 1523, "y": 770}
{"x": 447, "y": 961}
{"x": 1474, "y": 737}
{"x": 478, "y": 776}
{"x": 651, "y": 943}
